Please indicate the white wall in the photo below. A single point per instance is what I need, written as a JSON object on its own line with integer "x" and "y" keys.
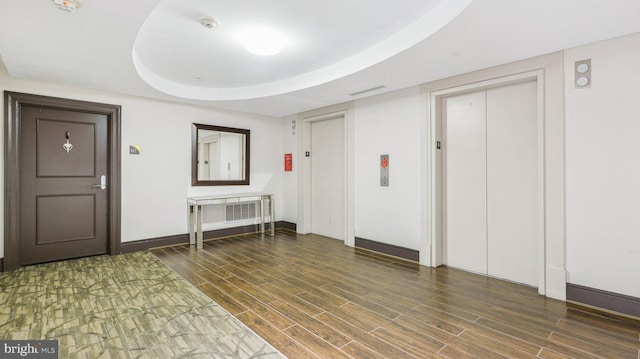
{"x": 603, "y": 167}
{"x": 389, "y": 124}
{"x": 290, "y": 179}
{"x": 156, "y": 183}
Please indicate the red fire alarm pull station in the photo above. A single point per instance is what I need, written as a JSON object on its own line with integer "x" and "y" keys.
{"x": 288, "y": 162}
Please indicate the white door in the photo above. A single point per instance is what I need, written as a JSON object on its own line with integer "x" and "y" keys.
{"x": 328, "y": 178}
{"x": 491, "y": 182}
{"x": 465, "y": 199}
{"x": 512, "y": 183}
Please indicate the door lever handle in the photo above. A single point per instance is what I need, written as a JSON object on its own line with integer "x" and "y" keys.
{"x": 103, "y": 183}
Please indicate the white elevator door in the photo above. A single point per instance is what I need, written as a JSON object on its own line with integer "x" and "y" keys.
{"x": 491, "y": 182}
{"x": 328, "y": 178}
{"x": 466, "y": 194}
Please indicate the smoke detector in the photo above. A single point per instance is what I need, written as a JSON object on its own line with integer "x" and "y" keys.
{"x": 209, "y": 23}
{"x": 67, "y": 5}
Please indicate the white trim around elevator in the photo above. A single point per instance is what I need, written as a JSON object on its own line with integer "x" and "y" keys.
{"x": 548, "y": 72}
{"x": 304, "y": 122}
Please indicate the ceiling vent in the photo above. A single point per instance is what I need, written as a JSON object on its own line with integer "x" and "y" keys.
{"x": 367, "y": 90}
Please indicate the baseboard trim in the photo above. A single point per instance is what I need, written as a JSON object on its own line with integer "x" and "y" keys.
{"x": 598, "y": 298}
{"x": 1, "y": 265}
{"x": 286, "y": 225}
{"x": 390, "y": 249}
{"x": 144, "y": 244}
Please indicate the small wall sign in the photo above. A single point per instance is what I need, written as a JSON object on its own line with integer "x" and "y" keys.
{"x": 134, "y": 150}
{"x": 384, "y": 170}
{"x": 288, "y": 162}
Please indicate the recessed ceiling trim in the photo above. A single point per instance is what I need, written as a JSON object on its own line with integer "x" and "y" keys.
{"x": 421, "y": 29}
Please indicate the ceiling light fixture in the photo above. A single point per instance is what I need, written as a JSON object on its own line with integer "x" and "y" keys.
{"x": 263, "y": 41}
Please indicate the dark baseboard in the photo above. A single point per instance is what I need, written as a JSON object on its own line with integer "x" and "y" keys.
{"x": 144, "y": 244}
{"x": 390, "y": 249}
{"x": 602, "y": 299}
{"x": 286, "y": 225}
{"x": 1, "y": 265}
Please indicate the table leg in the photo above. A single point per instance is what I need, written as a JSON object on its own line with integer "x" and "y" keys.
{"x": 192, "y": 233}
{"x": 272, "y": 216}
{"x": 261, "y": 214}
{"x": 199, "y": 220}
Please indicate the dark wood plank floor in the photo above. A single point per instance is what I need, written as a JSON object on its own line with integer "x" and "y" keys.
{"x": 311, "y": 296}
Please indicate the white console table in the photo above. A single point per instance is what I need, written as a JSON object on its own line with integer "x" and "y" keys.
{"x": 195, "y": 211}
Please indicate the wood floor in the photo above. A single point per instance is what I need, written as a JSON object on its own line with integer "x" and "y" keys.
{"x": 310, "y": 296}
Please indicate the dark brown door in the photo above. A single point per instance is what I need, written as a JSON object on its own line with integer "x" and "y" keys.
{"x": 63, "y": 207}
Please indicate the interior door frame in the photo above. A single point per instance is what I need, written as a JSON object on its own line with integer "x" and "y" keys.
{"x": 305, "y": 120}
{"x": 13, "y": 102}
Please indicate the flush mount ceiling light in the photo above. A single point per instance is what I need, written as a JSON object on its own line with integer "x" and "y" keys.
{"x": 263, "y": 41}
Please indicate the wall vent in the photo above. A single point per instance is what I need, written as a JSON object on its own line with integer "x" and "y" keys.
{"x": 241, "y": 212}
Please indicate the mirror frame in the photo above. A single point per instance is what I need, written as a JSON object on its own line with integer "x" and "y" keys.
{"x": 194, "y": 156}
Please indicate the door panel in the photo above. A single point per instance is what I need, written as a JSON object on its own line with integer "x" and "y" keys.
{"x": 512, "y": 183}
{"x": 328, "y": 178}
{"x": 53, "y": 160}
{"x": 53, "y": 210}
{"x": 62, "y": 214}
{"x": 465, "y": 184}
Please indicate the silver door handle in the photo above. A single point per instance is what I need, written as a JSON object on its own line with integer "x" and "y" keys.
{"x": 103, "y": 183}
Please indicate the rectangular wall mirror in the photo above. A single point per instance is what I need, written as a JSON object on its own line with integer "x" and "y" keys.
{"x": 219, "y": 155}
